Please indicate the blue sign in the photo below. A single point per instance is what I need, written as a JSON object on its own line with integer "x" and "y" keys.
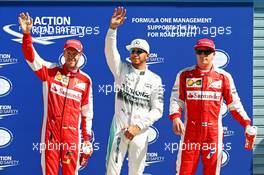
{"x": 171, "y": 31}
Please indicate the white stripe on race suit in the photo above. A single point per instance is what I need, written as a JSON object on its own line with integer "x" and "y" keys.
{"x": 79, "y": 146}
{"x": 220, "y": 145}
{"x": 43, "y": 132}
{"x": 179, "y": 156}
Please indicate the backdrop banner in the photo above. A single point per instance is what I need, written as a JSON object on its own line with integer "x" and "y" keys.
{"x": 170, "y": 29}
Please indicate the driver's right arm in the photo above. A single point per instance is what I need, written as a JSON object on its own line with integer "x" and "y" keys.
{"x": 177, "y": 101}
{"x": 36, "y": 63}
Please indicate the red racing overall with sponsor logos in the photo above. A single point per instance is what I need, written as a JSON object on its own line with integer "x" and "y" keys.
{"x": 201, "y": 95}
{"x": 68, "y": 106}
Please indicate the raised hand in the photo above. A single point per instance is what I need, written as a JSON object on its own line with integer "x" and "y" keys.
{"x": 118, "y": 17}
{"x": 26, "y": 22}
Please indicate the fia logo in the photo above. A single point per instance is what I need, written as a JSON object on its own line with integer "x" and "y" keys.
{"x": 5, "y": 86}
{"x": 225, "y": 158}
{"x": 153, "y": 134}
{"x": 6, "y": 137}
{"x": 221, "y": 59}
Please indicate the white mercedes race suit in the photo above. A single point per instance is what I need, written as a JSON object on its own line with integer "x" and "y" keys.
{"x": 138, "y": 101}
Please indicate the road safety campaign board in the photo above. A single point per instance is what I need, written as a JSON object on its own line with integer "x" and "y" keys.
{"x": 170, "y": 29}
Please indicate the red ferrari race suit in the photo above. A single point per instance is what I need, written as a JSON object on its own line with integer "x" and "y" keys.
{"x": 68, "y": 106}
{"x": 201, "y": 95}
